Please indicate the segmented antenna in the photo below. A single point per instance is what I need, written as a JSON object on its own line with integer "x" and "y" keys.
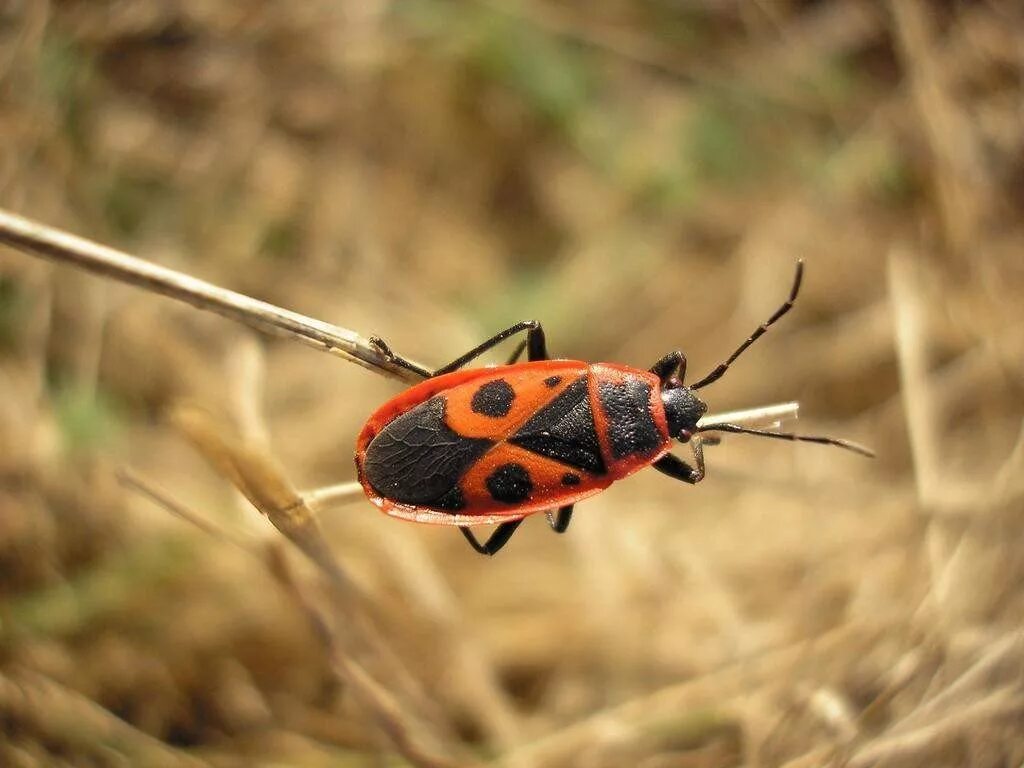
{"x": 721, "y": 368}
{"x": 737, "y": 429}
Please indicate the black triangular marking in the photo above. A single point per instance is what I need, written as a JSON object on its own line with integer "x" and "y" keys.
{"x": 564, "y": 430}
{"x": 418, "y": 459}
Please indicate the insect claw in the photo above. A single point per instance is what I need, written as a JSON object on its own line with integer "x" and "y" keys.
{"x": 381, "y": 346}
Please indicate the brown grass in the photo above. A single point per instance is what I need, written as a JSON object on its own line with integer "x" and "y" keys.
{"x": 640, "y": 177}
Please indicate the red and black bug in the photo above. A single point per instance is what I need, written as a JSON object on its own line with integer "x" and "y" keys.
{"x": 493, "y": 445}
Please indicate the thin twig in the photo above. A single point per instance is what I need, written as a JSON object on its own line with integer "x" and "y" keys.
{"x": 133, "y": 481}
{"x": 50, "y": 243}
{"x": 328, "y": 496}
{"x": 753, "y": 417}
{"x": 255, "y": 473}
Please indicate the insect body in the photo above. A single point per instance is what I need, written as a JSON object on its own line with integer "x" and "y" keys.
{"x": 493, "y": 445}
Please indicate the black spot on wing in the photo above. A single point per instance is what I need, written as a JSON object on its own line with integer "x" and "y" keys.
{"x": 631, "y": 427}
{"x": 493, "y": 399}
{"x": 570, "y": 478}
{"x": 418, "y": 459}
{"x": 510, "y": 484}
{"x": 552, "y": 381}
{"x": 564, "y": 430}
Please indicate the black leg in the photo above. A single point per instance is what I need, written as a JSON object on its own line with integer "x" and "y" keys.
{"x": 516, "y": 353}
{"x": 675, "y": 467}
{"x": 666, "y": 368}
{"x": 496, "y": 541}
{"x": 536, "y": 349}
{"x": 382, "y": 346}
{"x": 560, "y": 523}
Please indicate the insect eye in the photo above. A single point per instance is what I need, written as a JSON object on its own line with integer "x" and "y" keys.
{"x": 684, "y": 436}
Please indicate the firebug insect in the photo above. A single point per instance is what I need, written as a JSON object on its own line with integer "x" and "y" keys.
{"x": 493, "y": 445}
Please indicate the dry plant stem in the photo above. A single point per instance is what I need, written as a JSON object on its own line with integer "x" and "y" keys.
{"x": 254, "y": 473}
{"x": 374, "y": 697}
{"x": 998, "y": 662}
{"x": 394, "y": 721}
{"x": 834, "y": 711}
{"x": 473, "y": 673}
{"x": 922, "y": 420}
{"x": 43, "y": 706}
{"x": 962, "y": 188}
{"x": 715, "y": 688}
{"x": 59, "y": 246}
{"x": 131, "y": 480}
{"x": 246, "y": 367}
{"x": 912, "y": 356}
{"x": 914, "y": 745}
{"x": 754, "y": 417}
{"x": 333, "y": 495}
{"x": 263, "y": 482}
{"x": 247, "y": 364}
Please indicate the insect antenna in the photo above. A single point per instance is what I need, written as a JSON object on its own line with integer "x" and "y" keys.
{"x": 737, "y": 429}
{"x": 721, "y": 368}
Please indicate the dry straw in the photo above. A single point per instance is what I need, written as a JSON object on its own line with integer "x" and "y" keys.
{"x": 56, "y": 245}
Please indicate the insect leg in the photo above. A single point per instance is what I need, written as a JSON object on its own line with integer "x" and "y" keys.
{"x": 675, "y": 467}
{"x": 667, "y": 368}
{"x": 536, "y": 344}
{"x": 517, "y": 353}
{"x": 497, "y": 540}
{"x": 382, "y": 346}
{"x": 536, "y": 347}
{"x": 559, "y": 522}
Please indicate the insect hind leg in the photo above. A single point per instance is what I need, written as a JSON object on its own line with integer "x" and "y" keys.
{"x": 559, "y": 521}
{"x": 496, "y": 541}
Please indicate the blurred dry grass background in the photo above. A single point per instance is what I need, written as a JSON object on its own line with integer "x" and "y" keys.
{"x": 640, "y": 176}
